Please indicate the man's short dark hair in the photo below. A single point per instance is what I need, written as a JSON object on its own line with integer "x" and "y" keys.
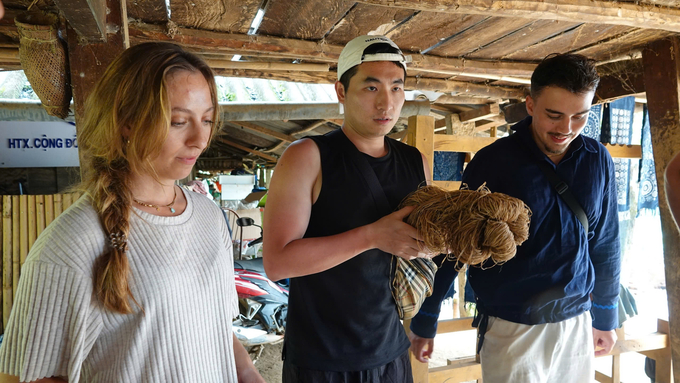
{"x": 373, "y": 49}
{"x": 575, "y": 73}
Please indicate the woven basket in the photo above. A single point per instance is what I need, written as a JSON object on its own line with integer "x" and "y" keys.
{"x": 44, "y": 60}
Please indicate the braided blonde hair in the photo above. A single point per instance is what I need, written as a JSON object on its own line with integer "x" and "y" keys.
{"x": 131, "y": 95}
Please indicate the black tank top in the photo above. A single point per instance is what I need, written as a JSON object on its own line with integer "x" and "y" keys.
{"x": 345, "y": 319}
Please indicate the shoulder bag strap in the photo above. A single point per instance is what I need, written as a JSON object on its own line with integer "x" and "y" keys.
{"x": 562, "y": 189}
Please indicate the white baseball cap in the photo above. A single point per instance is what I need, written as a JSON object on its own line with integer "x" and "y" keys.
{"x": 353, "y": 53}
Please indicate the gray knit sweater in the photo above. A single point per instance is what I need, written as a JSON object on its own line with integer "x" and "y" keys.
{"x": 182, "y": 275}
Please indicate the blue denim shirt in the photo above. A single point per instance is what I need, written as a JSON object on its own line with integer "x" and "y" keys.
{"x": 557, "y": 269}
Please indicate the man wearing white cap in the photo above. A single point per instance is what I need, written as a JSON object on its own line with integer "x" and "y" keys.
{"x": 324, "y": 228}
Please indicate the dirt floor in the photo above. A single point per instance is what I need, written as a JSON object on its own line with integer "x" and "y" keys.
{"x": 269, "y": 364}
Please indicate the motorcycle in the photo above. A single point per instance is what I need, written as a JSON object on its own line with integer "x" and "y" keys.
{"x": 263, "y": 304}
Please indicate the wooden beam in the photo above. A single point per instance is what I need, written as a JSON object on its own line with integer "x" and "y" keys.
{"x": 305, "y": 111}
{"x": 580, "y": 11}
{"x": 466, "y": 88}
{"x": 620, "y": 85}
{"x": 276, "y": 147}
{"x": 234, "y": 42}
{"x": 457, "y": 371}
{"x": 624, "y": 151}
{"x": 309, "y": 127}
{"x": 464, "y": 144}
{"x": 661, "y": 63}
{"x": 266, "y": 131}
{"x": 306, "y": 77}
{"x": 87, "y": 63}
{"x": 249, "y": 150}
{"x": 483, "y": 113}
{"x": 470, "y": 144}
{"x": 9, "y": 55}
{"x": 464, "y": 67}
{"x": 307, "y": 50}
{"x": 454, "y": 325}
{"x": 654, "y": 341}
{"x": 462, "y": 100}
{"x": 515, "y": 112}
{"x": 86, "y": 17}
{"x": 267, "y": 66}
{"x": 494, "y": 77}
{"x": 490, "y": 123}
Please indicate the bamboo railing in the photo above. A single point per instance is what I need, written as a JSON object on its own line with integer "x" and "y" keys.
{"x": 23, "y": 219}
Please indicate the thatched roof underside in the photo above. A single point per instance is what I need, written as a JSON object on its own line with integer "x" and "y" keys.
{"x": 478, "y": 53}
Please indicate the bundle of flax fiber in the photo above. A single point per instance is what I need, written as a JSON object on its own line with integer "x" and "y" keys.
{"x": 471, "y": 226}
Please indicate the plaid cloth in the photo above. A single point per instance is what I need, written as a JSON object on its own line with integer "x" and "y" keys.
{"x": 412, "y": 283}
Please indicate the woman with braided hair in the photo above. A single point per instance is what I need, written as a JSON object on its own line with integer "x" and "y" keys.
{"x": 134, "y": 282}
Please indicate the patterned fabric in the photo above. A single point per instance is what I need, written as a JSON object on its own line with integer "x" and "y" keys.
{"x": 448, "y": 166}
{"x": 617, "y": 128}
{"x": 412, "y": 283}
{"x": 648, "y": 197}
{"x": 617, "y": 121}
{"x": 594, "y": 124}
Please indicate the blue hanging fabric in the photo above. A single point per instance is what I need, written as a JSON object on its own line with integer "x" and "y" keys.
{"x": 594, "y": 124}
{"x": 648, "y": 197}
{"x": 617, "y": 128}
{"x": 448, "y": 166}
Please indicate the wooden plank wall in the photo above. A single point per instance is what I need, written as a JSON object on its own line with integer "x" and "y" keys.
{"x": 24, "y": 217}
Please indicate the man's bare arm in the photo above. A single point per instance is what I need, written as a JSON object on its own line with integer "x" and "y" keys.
{"x": 289, "y": 204}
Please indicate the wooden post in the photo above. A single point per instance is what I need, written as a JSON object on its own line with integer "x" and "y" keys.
{"x": 421, "y": 135}
{"x": 88, "y": 62}
{"x": 662, "y": 81}
{"x": 664, "y": 366}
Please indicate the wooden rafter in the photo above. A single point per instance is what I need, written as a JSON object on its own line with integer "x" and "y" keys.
{"x": 306, "y": 50}
{"x": 474, "y": 144}
{"x": 267, "y": 66}
{"x": 465, "y": 88}
{"x": 86, "y": 17}
{"x": 306, "y": 77}
{"x": 303, "y": 111}
{"x": 483, "y": 113}
{"x": 276, "y": 147}
{"x": 620, "y": 85}
{"x": 249, "y": 150}
{"x": 580, "y": 11}
{"x": 265, "y": 131}
{"x": 461, "y": 100}
{"x": 309, "y": 127}
{"x": 490, "y": 123}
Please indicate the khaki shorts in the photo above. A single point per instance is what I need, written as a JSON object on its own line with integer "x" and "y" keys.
{"x": 548, "y": 353}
